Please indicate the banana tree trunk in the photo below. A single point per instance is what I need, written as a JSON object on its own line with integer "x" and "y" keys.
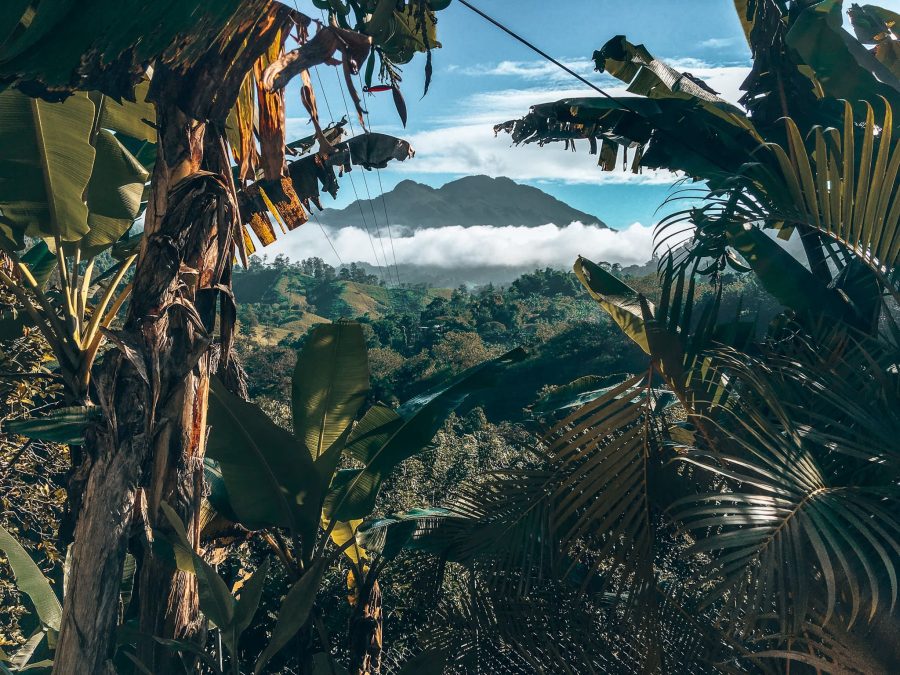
{"x": 365, "y": 632}
{"x": 153, "y": 387}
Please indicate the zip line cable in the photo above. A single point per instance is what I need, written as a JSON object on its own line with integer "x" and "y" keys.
{"x": 537, "y": 49}
{"x": 365, "y": 181}
{"x": 387, "y": 218}
{"x": 352, "y": 184}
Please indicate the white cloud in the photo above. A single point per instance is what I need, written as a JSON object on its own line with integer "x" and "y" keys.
{"x": 473, "y": 149}
{"x": 531, "y": 70}
{"x": 455, "y": 246}
{"x": 463, "y": 143}
{"x": 719, "y": 43}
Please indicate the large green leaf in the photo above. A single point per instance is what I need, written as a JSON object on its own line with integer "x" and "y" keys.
{"x": 619, "y": 300}
{"x": 31, "y": 581}
{"x": 45, "y": 164}
{"x": 330, "y": 383}
{"x": 63, "y": 425}
{"x": 113, "y": 194}
{"x": 294, "y": 611}
{"x": 270, "y": 477}
{"x": 353, "y": 496}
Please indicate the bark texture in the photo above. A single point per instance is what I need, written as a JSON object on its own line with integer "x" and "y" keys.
{"x": 153, "y": 385}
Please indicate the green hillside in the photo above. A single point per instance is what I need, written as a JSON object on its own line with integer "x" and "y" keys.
{"x": 287, "y": 299}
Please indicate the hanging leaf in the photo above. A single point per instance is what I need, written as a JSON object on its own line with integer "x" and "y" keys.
{"x": 31, "y": 581}
{"x": 399, "y": 103}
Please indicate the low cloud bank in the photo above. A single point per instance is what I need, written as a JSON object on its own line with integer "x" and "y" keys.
{"x": 454, "y": 246}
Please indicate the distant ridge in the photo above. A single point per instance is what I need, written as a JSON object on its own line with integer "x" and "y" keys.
{"x": 469, "y": 201}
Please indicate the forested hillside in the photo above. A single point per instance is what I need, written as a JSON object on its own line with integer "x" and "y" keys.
{"x": 418, "y": 335}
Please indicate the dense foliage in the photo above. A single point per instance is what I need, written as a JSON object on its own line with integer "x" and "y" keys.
{"x": 705, "y": 479}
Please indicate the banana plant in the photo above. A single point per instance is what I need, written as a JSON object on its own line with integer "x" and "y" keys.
{"x": 69, "y": 183}
{"x": 273, "y": 478}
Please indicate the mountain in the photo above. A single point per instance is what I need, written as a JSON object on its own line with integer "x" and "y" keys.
{"x": 473, "y": 200}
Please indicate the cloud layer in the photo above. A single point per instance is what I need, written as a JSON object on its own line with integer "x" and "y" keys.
{"x": 454, "y": 246}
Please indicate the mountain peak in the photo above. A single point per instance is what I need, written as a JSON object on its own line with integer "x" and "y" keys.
{"x": 467, "y": 202}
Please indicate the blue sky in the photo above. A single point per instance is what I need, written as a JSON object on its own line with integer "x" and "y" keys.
{"x": 482, "y": 76}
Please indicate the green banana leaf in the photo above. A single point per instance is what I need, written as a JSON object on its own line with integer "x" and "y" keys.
{"x": 46, "y": 163}
{"x": 270, "y": 478}
{"x": 113, "y": 194}
{"x": 330, "y": 383}
{"x": 31, "y": 581}
{"x": 41, "y": 262}
{"x": 63, "y": 425}
{"x": 354, "y": 491}
{"x": 62, "y": 176}
{"x": 294, "y": 612}
{"x": 619, "y": 300}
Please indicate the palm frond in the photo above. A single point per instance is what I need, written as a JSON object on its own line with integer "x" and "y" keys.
{"x": 796, "y": 532}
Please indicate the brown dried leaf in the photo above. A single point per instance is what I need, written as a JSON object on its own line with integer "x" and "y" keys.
{"x": 354, "y": 48}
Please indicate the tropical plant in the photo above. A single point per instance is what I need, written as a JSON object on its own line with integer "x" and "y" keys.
{"x": 267, "y": 477}
{"x": 747, "y": 520}
{"x": 210, "y": 62}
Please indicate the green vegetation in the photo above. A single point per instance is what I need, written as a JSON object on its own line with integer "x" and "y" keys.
{"x": 696, "y": 471}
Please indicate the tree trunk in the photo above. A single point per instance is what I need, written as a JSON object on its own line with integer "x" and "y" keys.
{"x": 153, "y": 388}
{"x": 365, "y": 632}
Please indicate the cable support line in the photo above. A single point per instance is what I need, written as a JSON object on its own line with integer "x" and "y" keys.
{"x": 365, "y": 181}
{"x": 388, "y": 222}
{"x": 328, "y": 239}
{"x": 350, "y": 175}
{"x": 387, "y": 218}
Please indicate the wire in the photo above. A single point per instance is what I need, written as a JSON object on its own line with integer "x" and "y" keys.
{"x": 352, "y": 184}
{"x": 365, "y": 181}
{"x": 386, "y": 268}
{"x": 539, "y": 51}
{"x": 387, "y": 218}
{"x": 388, "y": 221}
{"x": 330, "y": 243}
